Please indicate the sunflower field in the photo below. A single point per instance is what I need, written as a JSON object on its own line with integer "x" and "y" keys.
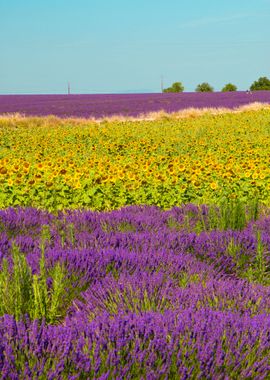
{"x": 58, "y": 164}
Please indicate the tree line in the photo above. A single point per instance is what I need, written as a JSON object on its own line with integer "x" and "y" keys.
{"x": 263, "y": 83}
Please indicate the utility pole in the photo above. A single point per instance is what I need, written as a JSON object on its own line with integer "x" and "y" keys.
{"x": 68, "y": 88}
{"x": 161, "y": 83}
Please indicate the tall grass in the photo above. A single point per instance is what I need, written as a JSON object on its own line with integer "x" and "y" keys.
{"x": 259, "y": 270}
{"x": 23, "y": 293}
{"x": 232, "y": 214}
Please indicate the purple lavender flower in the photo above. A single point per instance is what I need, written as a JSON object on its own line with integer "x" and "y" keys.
{"x": 98, "y": 106}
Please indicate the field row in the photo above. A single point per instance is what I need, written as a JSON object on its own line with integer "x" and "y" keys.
{"x": 53, "y": 164}
{"x": 107, "y": 105}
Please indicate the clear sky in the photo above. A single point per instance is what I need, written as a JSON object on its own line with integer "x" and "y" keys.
{"x": 119, "y": 46}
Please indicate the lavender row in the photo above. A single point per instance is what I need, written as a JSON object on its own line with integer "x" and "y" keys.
{"x": 98, "y": 106}
{"x": 186, "y": 345}
{"x": 148, "y": 294}
{"x": 137, "y": 229}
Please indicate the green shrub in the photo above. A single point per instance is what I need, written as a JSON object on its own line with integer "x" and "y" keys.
{"x": 175, "y": 87}
{"x": 204, "y": 87}
{"x": 229, "y": 87}
{"x": 263, "y": 83}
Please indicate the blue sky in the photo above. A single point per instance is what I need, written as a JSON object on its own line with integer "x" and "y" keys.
{"x": 121, "y": 46}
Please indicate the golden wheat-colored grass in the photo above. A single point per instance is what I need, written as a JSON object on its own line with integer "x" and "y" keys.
{"x": 150, "y": 116}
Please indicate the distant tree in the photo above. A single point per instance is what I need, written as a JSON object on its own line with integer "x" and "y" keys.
{"x": 175, "y": 87}
{"x": 229, "y": 87}
{"x": 204, "y": 87}
{"x": 263, "y": 83}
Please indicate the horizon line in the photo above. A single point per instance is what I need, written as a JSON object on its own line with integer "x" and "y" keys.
{"x": 120, "y": 93}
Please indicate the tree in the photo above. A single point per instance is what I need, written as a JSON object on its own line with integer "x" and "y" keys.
{"x": 263, "y": 83}
{"x": 175, "y": 87}
{"x": 204, "y": 87}
{"x": 229, "y": 87}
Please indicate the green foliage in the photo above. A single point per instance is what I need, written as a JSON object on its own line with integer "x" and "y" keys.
{"x": 23, "y": 293}
{"x": 229, "y": 87}
{"x": 185, "y": 279}
{"x": 57, "y": 293}
{"x": 255, "y": 270}
{"x": 121, "y": 227}
{"x": 232, "y": 214}
{"x": 16, "y": 288}
{"x": 71, "y": 233}
{"x": 204, "y": 87}
{"x": 263, "y": 83}
{"x": 135, "y": 300}
{"x": 126, "y": 227}
{"x": 175, "y": 87}
{"x": 173, "y": 224}
{"x": 259, "y": 271}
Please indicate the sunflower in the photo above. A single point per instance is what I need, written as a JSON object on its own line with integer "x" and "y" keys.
{"x": 3, "y": 170}
{"x": 40, "y": 166}
{"x": 10, "y": 182}
{"x": 112, "y": 178}
{"x": 196, "y": 183}
{"x": 121, "y": 175}
{"x": 131, "y": 176}
{"x": 159, "y": 176}
{"x": 145, "y": 167}
{"x": 104, "y": 178}
{"x": 77, "y": 185}
{"x": 171, "y": 170}
{"x": 16, "y": 168}
{"x": 227, "y": 174}
{"x": 71, "y": 164}
{"x": 213, "y": 185}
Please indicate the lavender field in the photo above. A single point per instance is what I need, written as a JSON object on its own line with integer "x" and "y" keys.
{"x": 106, "y": 271}
{"x": 97, "y": 106}
{"x": 137, "y": 293}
